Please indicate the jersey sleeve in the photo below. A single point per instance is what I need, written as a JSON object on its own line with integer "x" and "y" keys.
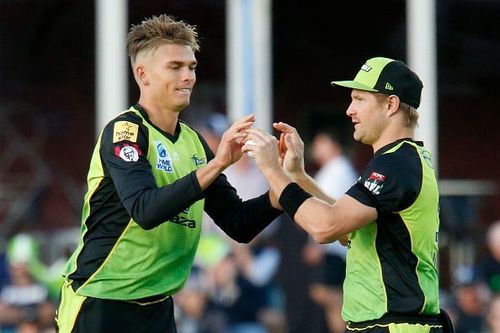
{"x": 240, "y": 220}
{"x": 389, "y": 184}
{"x": 123, "y": 150}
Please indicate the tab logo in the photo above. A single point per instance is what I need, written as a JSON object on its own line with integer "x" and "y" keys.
{"x": 163, "y": 162}
{"x": 388, "y": 86}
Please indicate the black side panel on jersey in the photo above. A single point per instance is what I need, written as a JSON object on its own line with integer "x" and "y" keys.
{"x": 107, "y": 218}
{"x": 398, "y": 263}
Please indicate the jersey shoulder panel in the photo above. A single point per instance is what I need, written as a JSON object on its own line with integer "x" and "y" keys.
{"x": 391, "y": 180}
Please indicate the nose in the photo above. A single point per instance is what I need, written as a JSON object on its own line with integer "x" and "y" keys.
{"x": 350, "y": 111}
{"x": 188, "y": 74}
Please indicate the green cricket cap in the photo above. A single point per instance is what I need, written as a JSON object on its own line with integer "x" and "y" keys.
{"x": 387, "y": 76}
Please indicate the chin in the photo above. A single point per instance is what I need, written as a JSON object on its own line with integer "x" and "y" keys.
{"x": 181, "y": 106}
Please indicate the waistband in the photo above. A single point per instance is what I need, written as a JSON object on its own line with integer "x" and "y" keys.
{"x": 75, "y": 284}
{"x": 150, "y": 300}
{"x": 395, "y": 318}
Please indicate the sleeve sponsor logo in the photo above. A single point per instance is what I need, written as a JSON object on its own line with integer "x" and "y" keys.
{"x": 375, "y": 182}
{"x": 183, "y": 219}
{"x": 128, "y": 153}
{"x": 163, "y": 160}
{"x": 125, "y": 131}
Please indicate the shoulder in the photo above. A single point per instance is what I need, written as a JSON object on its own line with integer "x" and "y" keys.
{"x": 127, "y": 126}
{"x": 402, "y": 161}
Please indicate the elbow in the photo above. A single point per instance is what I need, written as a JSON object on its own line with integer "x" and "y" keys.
{"x": 322, "y": 238}
{"x": 145, "y": 223}
{"x": 325, "y": 236}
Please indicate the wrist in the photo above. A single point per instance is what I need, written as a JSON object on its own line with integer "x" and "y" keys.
{"x": 218, "y": 166}
{"x": 292, "y": 197}
{"x": 270, "y": 171}
{"x": 298, "y": 175}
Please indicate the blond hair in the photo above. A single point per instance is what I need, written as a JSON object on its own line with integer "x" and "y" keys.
{"x": 410, "y": 114}
{"x": 157, "y": 30}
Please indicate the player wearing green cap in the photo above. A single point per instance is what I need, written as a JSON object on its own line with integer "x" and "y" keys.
{"x": 389, "y": 218}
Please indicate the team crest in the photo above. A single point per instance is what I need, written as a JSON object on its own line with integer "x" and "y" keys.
{"x": 163, "y": 162}
{"x": 375, "y": 182}
{"x": 128, "y": 153}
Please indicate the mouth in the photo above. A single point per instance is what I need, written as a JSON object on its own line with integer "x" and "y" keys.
{"x": 184, "y": 90}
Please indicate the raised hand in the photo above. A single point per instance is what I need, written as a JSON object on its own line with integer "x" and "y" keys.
{"x": 264, "y": 149}
{"x": 293, "y": 158}
{"x": 229, "y": 150}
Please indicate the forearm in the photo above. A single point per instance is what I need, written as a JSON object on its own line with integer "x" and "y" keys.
{"x": 278, "y": 179}
{"x": 309, "y": 185}
{"x": 151, "y": 207}
{"x": 240, "y": 220}
{"x": 207, "y": 174}
{"x": 318, "y": 219}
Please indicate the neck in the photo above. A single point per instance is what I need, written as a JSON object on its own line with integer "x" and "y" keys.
{"x": 163, "y": 118}
{"x": 391, "y": 135}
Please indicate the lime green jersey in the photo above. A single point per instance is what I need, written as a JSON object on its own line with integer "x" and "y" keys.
{"x": 391, "y": 263}
{"x": 139, "y": 261}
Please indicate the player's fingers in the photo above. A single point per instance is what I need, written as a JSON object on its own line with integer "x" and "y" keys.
{"x": 259, "y": 136}
{"x": 284, "y": 127}
{"x": 282, "y": 145}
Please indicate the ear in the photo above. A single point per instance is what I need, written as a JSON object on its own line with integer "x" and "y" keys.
{"x": 392, "y": 105}
{"x": 141, "y": 74}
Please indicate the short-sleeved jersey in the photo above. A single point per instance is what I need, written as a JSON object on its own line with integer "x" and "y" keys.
{"x": 391, "y": 263}
{"x": 142, "y": 213}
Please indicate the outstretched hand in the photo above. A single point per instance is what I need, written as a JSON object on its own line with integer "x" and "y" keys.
{"x": 229, "y": 150}
{"x": 264, "y": 149}
{"x": 293, "y": 157}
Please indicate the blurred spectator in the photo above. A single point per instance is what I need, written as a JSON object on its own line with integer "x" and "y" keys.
{"x": 335, "y": 176}
{"x": 490, "y": 265}
{"x": 4, "y": 277}
{"x": 493, "y": 315}
{"x": 24, "y": 304}
{"x": 471, "y": 297}
{"x": 237, "y": 298}
{"x": 25, "y": 248}
{"x": 192, "y": 315}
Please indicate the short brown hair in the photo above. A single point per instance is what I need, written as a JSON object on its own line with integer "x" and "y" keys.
{"x": 156, "y": 30}
{"x": 410, "y": 114}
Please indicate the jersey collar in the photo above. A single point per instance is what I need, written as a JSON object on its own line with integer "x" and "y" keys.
{"x": 169, "y": 136}
{"x": 392, "y": 144}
